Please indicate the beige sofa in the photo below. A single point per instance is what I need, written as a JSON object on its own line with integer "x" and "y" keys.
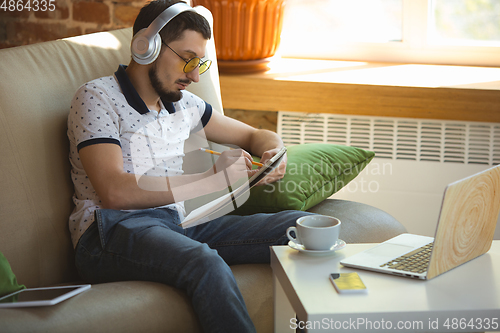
{"x": 37, "y": 83}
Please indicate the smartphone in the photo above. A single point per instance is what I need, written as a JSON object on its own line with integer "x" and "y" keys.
{"x": 348, "y": 283}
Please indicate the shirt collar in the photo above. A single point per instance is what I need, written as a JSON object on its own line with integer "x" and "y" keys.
{"x": 131, "y": 94}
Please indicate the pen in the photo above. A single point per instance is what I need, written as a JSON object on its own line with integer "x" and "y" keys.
{"x": 217, "y": 153}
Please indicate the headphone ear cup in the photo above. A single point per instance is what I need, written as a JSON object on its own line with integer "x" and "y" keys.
{"x": 145, "y": 51}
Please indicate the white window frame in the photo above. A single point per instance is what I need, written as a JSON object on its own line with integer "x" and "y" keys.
{"x": 416, "y": 47}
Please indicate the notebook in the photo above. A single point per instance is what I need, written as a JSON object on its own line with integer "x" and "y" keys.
{"x": 465, "y": 229}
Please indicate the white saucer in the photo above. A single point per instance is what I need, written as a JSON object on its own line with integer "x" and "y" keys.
{"x": 299, "y": 247}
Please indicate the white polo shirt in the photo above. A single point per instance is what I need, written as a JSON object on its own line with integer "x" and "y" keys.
{"x": 109, "y": 110}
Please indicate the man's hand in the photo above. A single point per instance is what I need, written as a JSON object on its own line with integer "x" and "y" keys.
{"x": 260, "y": 142}
{"x": 279, "y": 172}
{"x": 236, "y": 163}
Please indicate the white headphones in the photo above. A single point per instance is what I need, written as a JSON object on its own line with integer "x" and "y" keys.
{"x": 146, "y": 44}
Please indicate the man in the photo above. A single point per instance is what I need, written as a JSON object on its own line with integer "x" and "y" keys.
{"x": 126, "y": 134}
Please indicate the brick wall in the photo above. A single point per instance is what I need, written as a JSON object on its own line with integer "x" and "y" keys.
{"x": 22, "y": 26}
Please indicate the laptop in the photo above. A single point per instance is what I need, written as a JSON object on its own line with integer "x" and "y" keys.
{"x": 466, "y": 225}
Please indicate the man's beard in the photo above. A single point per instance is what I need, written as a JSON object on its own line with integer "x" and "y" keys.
{"x": 165, "y": 95}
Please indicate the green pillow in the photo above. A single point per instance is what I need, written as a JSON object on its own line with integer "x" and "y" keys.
{"x": 314, "y": 172}
{"x": 8, "y": 282}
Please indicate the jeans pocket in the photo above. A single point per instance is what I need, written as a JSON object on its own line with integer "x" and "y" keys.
{"x": 106, "y": 220}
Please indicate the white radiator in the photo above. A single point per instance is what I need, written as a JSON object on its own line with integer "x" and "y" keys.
{"x": 415, "y": 159}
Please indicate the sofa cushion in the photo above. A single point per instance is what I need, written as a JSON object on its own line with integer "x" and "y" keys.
{"x": 37, "y": 85}
{"x": 109, "y": 307}
{"x": 138, "y": 306}
{"x": 314, "y": 173}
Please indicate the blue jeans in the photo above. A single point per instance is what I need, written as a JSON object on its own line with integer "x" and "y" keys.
{"x": 149, "y": 245}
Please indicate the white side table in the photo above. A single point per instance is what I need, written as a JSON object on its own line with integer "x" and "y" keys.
{"x": 465, "y": 299}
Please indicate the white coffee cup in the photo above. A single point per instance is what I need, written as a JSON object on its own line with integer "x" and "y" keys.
{"x": 315, "y": 232}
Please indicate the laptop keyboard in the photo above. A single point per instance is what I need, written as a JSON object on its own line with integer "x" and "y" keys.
{"x": 416, "y": 261}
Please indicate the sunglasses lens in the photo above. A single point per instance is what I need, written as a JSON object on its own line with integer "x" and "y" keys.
{"x": 204, "y": 66}
{"x": 192, "y": 64}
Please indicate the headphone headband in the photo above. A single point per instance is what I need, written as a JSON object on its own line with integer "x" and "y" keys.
{"x": 146, "y": 44}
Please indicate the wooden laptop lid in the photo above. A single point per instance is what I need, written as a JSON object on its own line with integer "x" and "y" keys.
{"x": 467, "y": 221}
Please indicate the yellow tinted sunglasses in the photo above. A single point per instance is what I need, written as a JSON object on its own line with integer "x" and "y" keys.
{"x": 192, "y": 63}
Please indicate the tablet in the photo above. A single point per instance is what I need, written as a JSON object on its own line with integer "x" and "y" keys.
{"x": 270, "y": 165}
{"x": 41, "y": 296}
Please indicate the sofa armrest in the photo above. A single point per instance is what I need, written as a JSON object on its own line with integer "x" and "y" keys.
{"x": 361, "y": 223}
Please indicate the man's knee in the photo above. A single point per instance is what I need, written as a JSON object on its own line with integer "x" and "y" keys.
{"x": 205, "y": 259}
{"x": 289, "y": 217}
{"x": 208, "y": 257}
{"x": 205, "y": 268}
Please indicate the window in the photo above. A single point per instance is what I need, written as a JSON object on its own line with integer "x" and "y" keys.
{"x": 466, "y": 22}
{"x": 462, "y": 32}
